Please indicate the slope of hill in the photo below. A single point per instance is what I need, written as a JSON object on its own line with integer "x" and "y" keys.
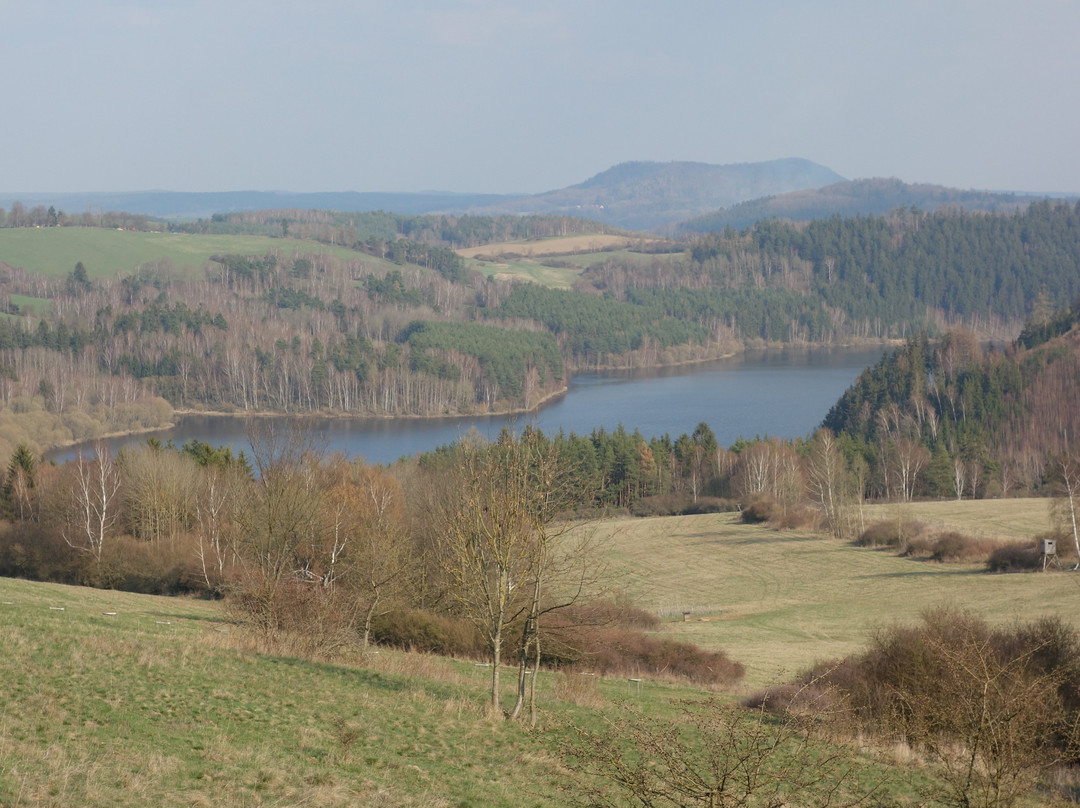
{"x": 866, "y": 197}
{"x": 968, "y": 420}
{"x": 647, "y": 195}
{"x": 54, "y": 251}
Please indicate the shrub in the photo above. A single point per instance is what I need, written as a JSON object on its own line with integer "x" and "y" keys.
{"x": 672, "y": 505}
{"x": 658, "y": 506}
{"x": 416, "y": 630}
{"x": 149, "y": 568}
{"x": 759, "y": 509}
{"x": 711, "y": 505}
{"x": 891, "y": 533}
{"x": 618, "y": 652}
{"x": 796, "y": 517}
{"x": 1015, "y": 557}
{"x": 995, "y": 708}
{"x": 710, "y": 754}
{"x": 950, "y": 546}
{"x": 618, "y": 612}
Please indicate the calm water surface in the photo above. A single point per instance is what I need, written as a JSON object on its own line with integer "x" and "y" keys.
{"x": 782, "y": 393}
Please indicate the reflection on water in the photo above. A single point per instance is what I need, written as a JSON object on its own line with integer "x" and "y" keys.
{"x": 782, "y": 393}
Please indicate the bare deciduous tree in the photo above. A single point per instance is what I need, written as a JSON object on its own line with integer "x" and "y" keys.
{"x": 94, "y": 484}
{"x": 488, "y": 546}
{"x": 828, "y": 483}
{"x": 159, "y": 491}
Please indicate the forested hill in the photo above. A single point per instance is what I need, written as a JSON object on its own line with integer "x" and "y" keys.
{"x": 646, "y": 195}
{"x": 878, "y": 277}
{"x": 962, "y": 419}
{"x": 866, "y": 197}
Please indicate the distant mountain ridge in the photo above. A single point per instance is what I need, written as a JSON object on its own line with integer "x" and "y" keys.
{"x": 672, "y": 197}
{"x": 867, "y": 197}
{"x": 634, "y": 195}
{"x": 203, "y": 205}
{"x": 648, "y": 195}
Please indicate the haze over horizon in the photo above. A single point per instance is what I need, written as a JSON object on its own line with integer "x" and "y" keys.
{"x": 483, "y": 96}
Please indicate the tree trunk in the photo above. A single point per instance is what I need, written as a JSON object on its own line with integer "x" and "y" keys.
{"x": 496, "y": 660}
{"x": 535, "y": 674}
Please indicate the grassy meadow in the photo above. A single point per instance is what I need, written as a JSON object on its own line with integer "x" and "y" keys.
{"x": 54, "y": 251}
{"x": 160, "y": 704}
{"x": 778, "y": 601}
{"x": 999, "y": 519}
{"x": 119, "y": 699}
{"x": 527, "y": 269}
{"x": 555, "y": 262}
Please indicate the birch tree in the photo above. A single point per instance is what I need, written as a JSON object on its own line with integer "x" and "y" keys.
{"x": 94, "y": 485}
{"x": 1065, "y": 473}
{"x": 827, "y": 479}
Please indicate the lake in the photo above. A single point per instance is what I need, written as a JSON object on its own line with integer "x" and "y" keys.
{"x": 783, "y": 394}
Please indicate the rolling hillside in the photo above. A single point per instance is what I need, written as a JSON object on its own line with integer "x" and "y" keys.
{"x": 864, "y": 197}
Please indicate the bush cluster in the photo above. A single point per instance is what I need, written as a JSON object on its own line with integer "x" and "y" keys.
{"x": 416, "y": 630}
{"x": 910, "y": 668}
{"x": 673, "y": 505}
{"x": 759, "y": 510}
{"x": 890, "y": 533}
{"x": 1015, "y": 557}
{"x": 620, "y": 652}
{"x": 150, "y": 568}
{"x": 767, "y": 509}
{"x": 604, "y": 637}
{"x": 950, "y": 546}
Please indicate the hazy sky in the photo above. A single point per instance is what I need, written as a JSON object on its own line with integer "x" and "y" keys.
{"x": 530, "y": 95}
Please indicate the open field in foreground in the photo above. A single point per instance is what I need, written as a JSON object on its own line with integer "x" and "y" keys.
{"x": 156, "y": 706}
{"x": 120, "y": 699}
{"x": 779, "y": 601}
{"x": 55, "y": 250}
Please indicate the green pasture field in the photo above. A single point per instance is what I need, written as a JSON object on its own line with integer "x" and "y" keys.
{"x": 36, "y": 306}
{"x": 55, "y": 250}
{"x": 779, "y": 601}
{"x": 159, "y": 705}
{"x": 527, "y": 269}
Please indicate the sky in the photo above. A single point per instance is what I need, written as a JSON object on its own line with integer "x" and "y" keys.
{"x": 525, "y": 96}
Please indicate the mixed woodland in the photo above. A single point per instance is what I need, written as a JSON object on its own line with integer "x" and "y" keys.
{"x": 398, "y": 323}
{"x": 483, "y": 549}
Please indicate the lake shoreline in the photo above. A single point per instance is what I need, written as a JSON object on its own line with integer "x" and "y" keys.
{"x": 782, "y": 393}
{"x": 783, "y": 348}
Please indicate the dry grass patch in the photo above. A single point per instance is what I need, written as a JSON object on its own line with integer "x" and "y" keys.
{"x": 999, "y": 519}
{"x": 578, "y": 688}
